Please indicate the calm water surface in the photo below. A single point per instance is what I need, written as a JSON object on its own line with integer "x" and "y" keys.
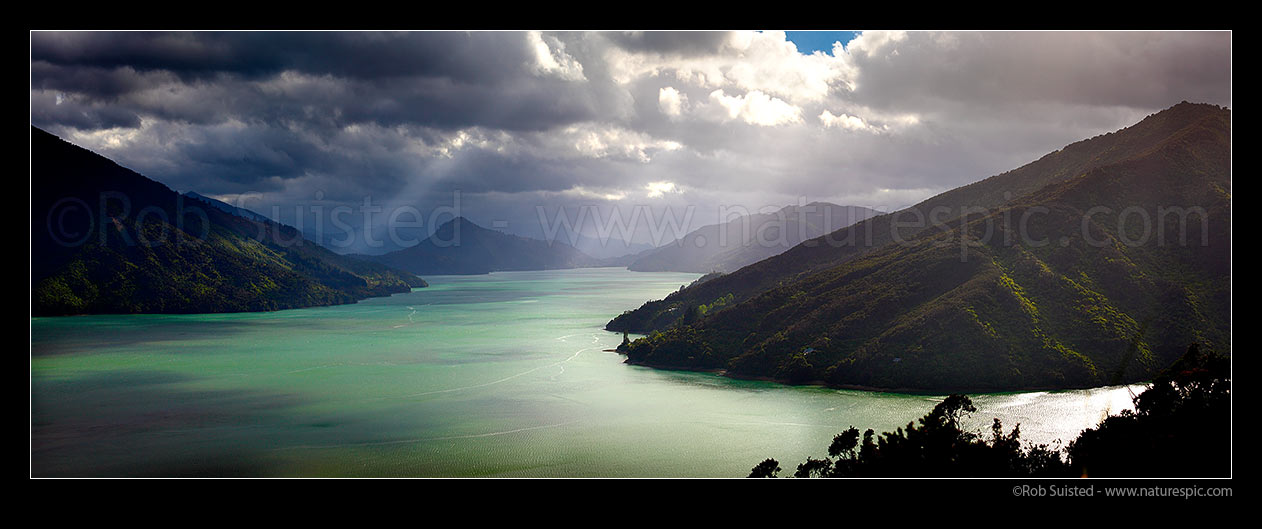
{"x": 494, "y": 375}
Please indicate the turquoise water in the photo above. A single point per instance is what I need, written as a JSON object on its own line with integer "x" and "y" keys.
{"x": 496, "y": 375}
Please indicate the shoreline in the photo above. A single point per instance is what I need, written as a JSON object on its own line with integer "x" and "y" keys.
{"x": 875, "y": 389}
{"x": 255, "y": 311}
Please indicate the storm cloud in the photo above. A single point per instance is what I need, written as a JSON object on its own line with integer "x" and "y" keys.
{"x": 514, "y": 120}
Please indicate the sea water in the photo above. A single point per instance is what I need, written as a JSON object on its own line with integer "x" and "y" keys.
{"x": 506, "y": 374}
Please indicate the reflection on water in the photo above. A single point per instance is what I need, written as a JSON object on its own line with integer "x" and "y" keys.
{"x": 496, "y": 375}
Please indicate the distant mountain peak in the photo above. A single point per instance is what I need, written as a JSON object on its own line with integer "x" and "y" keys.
{"x": 461, "y": 246}
{"x": 464, "y": 225}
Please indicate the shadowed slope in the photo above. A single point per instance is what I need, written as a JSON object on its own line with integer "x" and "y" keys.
{"x": 105, "y": 239}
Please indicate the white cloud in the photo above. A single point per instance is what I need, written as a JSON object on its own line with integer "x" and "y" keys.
{"x": 670, "y": 101}
{"x": 551, "y": 58}
{"x": 590, "y": 141}
{"x": 748, "y": 61}
{"x": 473, "y": 138}
{"x": 659, "y": 189}
{"x": 772, "y": 64}
{"x": 757, "y": 108}
{"x": 107, "y": 139}
{"x": 845, "y": 121}
{"x": 603, "y": 141}
{"x": 875, "y": 43}
{"x": 585, "y": 193}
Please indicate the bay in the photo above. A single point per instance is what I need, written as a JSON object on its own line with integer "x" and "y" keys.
{"x": 500, "y": 375}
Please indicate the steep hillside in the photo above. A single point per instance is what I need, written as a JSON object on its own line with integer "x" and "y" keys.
{"x": 224, "y": 206}
{"x": 1103, "y": 274}
{"x": 105, "y": 239}
{"x": 865, "y": 236}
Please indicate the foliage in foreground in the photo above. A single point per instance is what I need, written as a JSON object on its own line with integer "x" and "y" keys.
{"x": 1181, "y": 427}
{"x": 937, "y": 447}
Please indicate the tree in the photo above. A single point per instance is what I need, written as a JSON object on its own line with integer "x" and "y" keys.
{"x": 767, "y": 469}
{"x": 796, "y": 369}
{"x": 844, "y": 443}
{"x": 1181, "y": 426}
{"x": 947, "y": 414}
{"x": 816, "y": 468}
{"x": 692, "y": 314}
{"x": 936, "y": 447}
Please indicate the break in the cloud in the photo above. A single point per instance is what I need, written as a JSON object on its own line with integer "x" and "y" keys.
{"x": 514, "y": 120}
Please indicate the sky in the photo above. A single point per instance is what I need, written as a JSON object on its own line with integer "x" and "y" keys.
{"x": 808, "y": 42}
{"x": 521, "y": 130}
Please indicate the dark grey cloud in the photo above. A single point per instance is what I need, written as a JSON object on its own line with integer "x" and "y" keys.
{"x": 688, "y": 43}
{"x": 251, "y": 154}
{"x": 256, "y": 109}
{"x": 529, "y": 105}
{"x": 513, "y": 120}
{"x": 467, "y": 57}
{"x": 446, "y": 79}
{"x": 483, "y": 171}
{"x": 46, "y": 110}
{"x": 105, "y": 83}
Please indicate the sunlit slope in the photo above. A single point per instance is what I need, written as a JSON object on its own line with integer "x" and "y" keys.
{"x": 1100, "y": 276}
{"x": 847, "y": 243}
